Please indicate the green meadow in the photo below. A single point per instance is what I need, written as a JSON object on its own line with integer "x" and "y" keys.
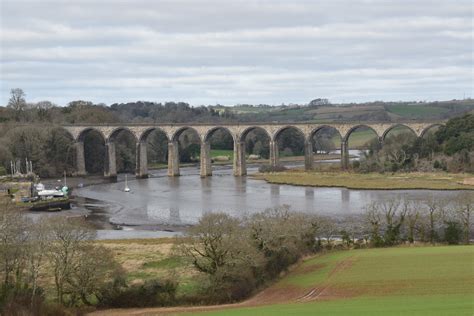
{"x": 389, "y": 281}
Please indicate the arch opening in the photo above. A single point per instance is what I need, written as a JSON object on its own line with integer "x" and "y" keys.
{"x": 326, "y": 139}
{"x": 156, "y": 142}
{"x": 189, "y": 144}
{"x": 125, "y": 150}
{"x": 361, "y": 137}
{"x": 94, "y": 150}
{"x": 257, "y": 144}
{"x": 398, "y": 131}
{"x": 221, "y": 144}
{"x": 290, "y": 142}
{"x": 430, "y": 130}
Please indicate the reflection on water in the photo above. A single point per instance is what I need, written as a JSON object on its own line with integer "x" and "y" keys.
{"x": 161, "y": 200}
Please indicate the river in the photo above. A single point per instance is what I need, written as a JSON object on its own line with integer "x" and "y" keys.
{"x": 162, "y": 206}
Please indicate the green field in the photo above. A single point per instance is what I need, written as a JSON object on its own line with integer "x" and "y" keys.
{"x": 417, "y": 111}
{"x": 391, "y": 281}
{"x": 222, "y": 152}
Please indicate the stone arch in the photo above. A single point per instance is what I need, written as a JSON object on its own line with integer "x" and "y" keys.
{"x": 353, "y": 128}
{"x": 205, "y": 154}
{"x": 178, "y": 132}
{"x": 321, "y": 127}
{"x": 85, "y": 163}
{"x": 117, "y": 130}
{"x": 82, "y": 134}
{"x": 318, "y": 129}
{"x": 211, "y": 131}
{"x": 287, "y": 127}
{"x": 294, "y": 144}
{"x": 144, "y": 135}
{"x": 247, "y": 130}
{"x": 387, "y": 131}
{"x": 426, "y": 129}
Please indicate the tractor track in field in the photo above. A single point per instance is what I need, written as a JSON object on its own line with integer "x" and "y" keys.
{"x": 317, "y": 292}
{"x": 268, "y": 296}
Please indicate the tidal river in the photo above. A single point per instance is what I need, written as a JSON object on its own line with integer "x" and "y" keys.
{"x": 162, "y": 206}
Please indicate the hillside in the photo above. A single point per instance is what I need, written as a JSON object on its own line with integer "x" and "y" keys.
{"x": 374, "y": 111}
{"x": 392, "y": 281}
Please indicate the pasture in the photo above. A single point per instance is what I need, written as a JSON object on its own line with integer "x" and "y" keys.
{"x": 390, "y": 281}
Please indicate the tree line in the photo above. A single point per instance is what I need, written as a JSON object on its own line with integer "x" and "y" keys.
{"x": 450, "y": 148}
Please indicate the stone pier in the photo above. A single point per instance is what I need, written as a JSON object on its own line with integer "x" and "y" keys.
{"x": 141, "y": 170}
{"x": 173, "y": 158}
{"x": 240, "y": 168}
{"x": 205, "y": 160}
{"x": 80, "y": 159}
{"x": 110, "y": 161}
{"x": 273, "y": 153}
{"x": 344, "y": 154}
{"x": 308, "y": 154}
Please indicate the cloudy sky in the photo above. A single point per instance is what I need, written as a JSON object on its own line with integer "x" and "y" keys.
{"x": 228, "y": 52}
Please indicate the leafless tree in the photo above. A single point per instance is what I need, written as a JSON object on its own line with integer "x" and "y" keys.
{"x": 67, "y": 238}
{"x": 93, "y": 267}
{"x": 13, "y": 238}
{"x": 17, "y": 102}
{"x": 435, "y": 208}
{"x": 412, "y": 220}
{"x": 464, "y": 207}
{"x": 37, "y": 247}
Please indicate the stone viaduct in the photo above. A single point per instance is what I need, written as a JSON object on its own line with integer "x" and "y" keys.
{"x": 205, "y": 131}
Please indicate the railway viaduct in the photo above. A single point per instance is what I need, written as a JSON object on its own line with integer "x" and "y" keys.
{"x": 205, "y": 131}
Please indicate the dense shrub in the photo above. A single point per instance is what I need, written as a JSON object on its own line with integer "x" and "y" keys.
{"x": 154, "y": 292}
{"x": 269, "y": 168}
{"x": 453, "y": 233}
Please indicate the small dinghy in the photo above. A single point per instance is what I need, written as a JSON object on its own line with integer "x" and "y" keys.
{"x": 127, "y": 189}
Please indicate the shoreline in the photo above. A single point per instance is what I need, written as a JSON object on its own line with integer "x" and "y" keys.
{"x": 371, "y": 181}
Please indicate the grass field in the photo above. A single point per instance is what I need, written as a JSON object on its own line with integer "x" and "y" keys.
{"x": 144, "y": 259}
{"x": 223, "y": 152}
{"x": 391, "y": 281}
{"x": 417, "y": 111}
{"x": 425, "y": 180}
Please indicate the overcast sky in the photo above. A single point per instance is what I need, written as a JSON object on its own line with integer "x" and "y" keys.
{"x": 229, "y": 52}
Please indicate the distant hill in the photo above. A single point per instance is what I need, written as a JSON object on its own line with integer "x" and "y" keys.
{"x": 374, "y": 111}
{"x": 316, "y": 111}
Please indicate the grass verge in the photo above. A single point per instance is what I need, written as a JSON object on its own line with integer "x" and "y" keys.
{"x": 371, "y": 181}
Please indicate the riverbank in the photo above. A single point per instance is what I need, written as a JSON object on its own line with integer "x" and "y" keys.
{"x": 371, "y": 181}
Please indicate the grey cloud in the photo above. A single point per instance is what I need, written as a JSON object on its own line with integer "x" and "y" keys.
{"x": 206, "y": 52}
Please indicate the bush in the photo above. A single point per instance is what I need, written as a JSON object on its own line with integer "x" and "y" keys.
{"x": 153, "y": 292}
{"x": 269, "y": 168}
{"x": 453, "y": 233}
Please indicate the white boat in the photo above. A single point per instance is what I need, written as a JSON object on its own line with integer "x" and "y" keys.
{"x": 127, "y": 189}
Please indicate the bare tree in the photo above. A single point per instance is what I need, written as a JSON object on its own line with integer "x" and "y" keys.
{"x": 435, "y": 208}
{"x": 38, "y": 243}
{"x": 67, "y": 238}
{"x": 463, "y": 207}
{"x": 374, "y": 220}
{"x": 13, "y": 238}
{"x": 94, "y": 266}
{"x": 17, "y": 102}
{"x": 327, "y": 229}
{"x": 412, "y": 220}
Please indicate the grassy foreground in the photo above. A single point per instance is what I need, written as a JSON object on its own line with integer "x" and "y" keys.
{"x": 391, "y": 281}
{"x": 376, "y": 181}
